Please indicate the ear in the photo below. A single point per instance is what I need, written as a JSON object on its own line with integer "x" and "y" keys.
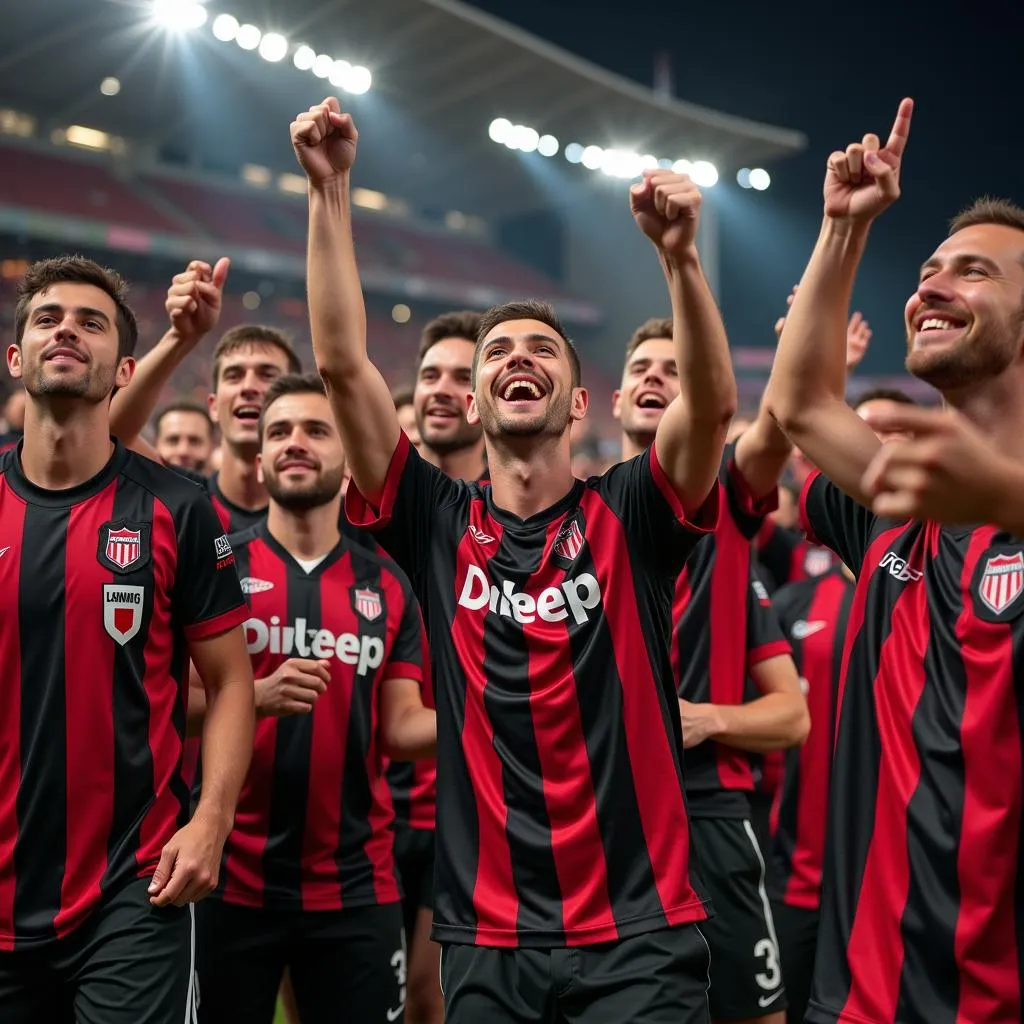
{"x": 617, "y": 404}
{"x": 211, "y": 405}
{"x": 125, "y": 372}
{"x": 580, "y": 403}
{"x": 259, "y": 469}
{"x": 14, "y": 365}
{"x": 472, "y": 412}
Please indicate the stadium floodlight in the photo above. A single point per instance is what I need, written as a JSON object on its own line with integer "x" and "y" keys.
{"x": 574, "y": 153}
{"x": 499, "y": 130}
{"x": 620, "y": 163}
{"x": 665, "y": 164}
{"x": 760, "y": 179}
{"x": 359, "y": 80}
{"x": 110, "y": 86}
{"x": 547, "y": 145}
{"x": 323, "y": 65}
{"x": 591, "y": 157}
{"x": 248, "y": 37}
{"x": 273, "y": 47}
{"x": 524, "y": 138}
{"x": 704, "y": 174}
{"x": 682, "y": 167}
{"x": 225, "y": 27}
{"x": 339, "y": 74}
{"x": 178, "y": 15}
{"x": 743, "y": 177}
{"x": 304, "y": 58}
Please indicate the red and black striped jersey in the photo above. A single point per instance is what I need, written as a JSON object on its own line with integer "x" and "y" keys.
{"x": 789, "y": 557}
{"x": 9, "y": 440}
{"x": 101, "y": 588}
{"x": 923, "y": 892}
{"x": 814, "y": 614}
{"x": 560, "y": 805}
{"x": 233, "y": 518}
{"x": 313, "y": 825}
{"x": 723, "y": 626}
{"x": 413, "y": 784}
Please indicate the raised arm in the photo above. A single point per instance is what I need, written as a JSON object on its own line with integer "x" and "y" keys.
{"x": 691, "y": 434}
{"x": 806, "y": 392}
{"x": 325, "y": 144}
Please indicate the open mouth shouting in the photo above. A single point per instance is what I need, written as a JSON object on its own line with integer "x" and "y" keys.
{"x": 247, "y": 413}
{"x": 521, "y": 390}
{"x": 653, "y": 400}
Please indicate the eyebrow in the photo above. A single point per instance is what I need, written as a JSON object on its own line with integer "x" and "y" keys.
{"x": 86, "y": 311}
{"x": 290, "y": 423}
{"x": 961, "y": 260}
{"x": 529, "y": 337}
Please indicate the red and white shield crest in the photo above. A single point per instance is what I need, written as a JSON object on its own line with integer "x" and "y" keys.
{"x": 124, "y": 546}
{"x": 1002, "y": 581}
{"x": 122, "y": 611}
{"x": 569, "y": 542}
{"x": 817, "y": 561}
{"x": 367, "y": 602}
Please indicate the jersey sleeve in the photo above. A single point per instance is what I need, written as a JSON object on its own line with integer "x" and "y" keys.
{"x": 746, "y": 512}
{"x": 208, "y": 596}
{"x": 765, "y": 638}
{"x": 409, "y": 658}
{"x": 414, "y": 492}
{"x": 831, "y": 517}
{"x": 774, "y": 547}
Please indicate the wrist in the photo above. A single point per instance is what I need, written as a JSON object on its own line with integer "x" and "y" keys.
{"x": 209, "y": 814}
{"x": 336, "y": 186}
{"x": 686, "y": 260}
{"x": 845, "y": 232}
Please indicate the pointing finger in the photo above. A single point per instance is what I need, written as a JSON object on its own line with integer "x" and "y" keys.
{"x": 900, "y": 128}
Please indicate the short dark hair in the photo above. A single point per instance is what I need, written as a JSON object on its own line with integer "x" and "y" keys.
{"x": 989, "y": 210}
{"x": 290, "y": 384}
{"x": 43, "y": 274}
{"x": 253, "y": 334}
{"x": 656, "y": 327}
{"x": 402, "y": 396}
{"x": 183, "y": 405}
{"x": 528, "y": 309}
{"x": 460, "y": 324}
{"x": 882, "y": 395}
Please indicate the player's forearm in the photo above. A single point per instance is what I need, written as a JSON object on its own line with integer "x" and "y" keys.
{"x": 133, "y": 406}
{"x": 810, "y": 365}
{"x": 775, "y": 721}
{"x": 196, "y": 715}
{"x": 762, "y": 452}
{"x": 337, "y": 312}
{"x": 227, "y": 748}
{"x": 413, "y": 735}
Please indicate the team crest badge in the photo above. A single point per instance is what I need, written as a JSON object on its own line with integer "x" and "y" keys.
{"x": 367, "y": 602}
{"x": 122, "y": 611}
{"x": 123, "y": 546}
{"x": 1001, "y": 582}
{"x": 569, "y": 542}
{"x": 817, "y": 562}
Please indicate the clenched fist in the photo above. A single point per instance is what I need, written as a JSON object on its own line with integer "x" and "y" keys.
{"x": 666, "y": 206}
{"x": 195, "y": 297}
{"x": 862, "y": 180}
{"x": 324, "y": 140}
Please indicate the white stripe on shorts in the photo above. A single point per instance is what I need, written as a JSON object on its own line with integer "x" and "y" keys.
{"x": 191, "y": 1007}
{"x": 765, "y": 902}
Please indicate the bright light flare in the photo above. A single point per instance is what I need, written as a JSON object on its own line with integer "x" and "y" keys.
{"x": 178, "y": 15}
{"x": 760, "y": 179}
{"x": 547, "y": 145}
{"x": 499, "y": 130}
{"x": 304, "y": 58}
{"x": 359, "y": 80}
{"x": 704, "y": 174}
{"x": 248, "y": 37}
{"x": 273, "y": 47}
{"x": 225, "y": 27}
{"x": 574, "y": 153}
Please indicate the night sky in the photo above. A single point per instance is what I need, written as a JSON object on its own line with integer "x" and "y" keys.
{"x": 833, "y": 72}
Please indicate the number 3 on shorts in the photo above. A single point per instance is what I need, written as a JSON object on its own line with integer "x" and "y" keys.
{"x": 771, "y": 976}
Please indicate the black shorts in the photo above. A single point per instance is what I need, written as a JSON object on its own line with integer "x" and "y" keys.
{"x": 798, "y": 937}
{"x": 128, "y": 963}
{"x": 344, "y": 964}
{"x": 657, "y": 978}
{"x": 414, "y": 858}
{"x": 746, "y": 975}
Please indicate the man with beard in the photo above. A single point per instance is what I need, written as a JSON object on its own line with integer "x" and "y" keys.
{"x": 724, "y": 630}
{"x": 922, "y": 889}
{"x": 564, "y": 887}
{"x": 308, "y": 880}
{"x": 114, "y": 572}
{"x": 184, "y": 435}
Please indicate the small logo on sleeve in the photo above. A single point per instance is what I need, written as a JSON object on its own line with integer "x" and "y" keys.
{"x": 222, "y": 550}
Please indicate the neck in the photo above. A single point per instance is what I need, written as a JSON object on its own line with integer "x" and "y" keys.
{"x": 64, "y": 448}
{"x": 527, "y": 477}
{"x": 463, "y": 464}
{"x": 635, "y": 444}
{"x": 996, "y": 409}
{"x": 307, "y": 534}
{"x": 238, "y": 481}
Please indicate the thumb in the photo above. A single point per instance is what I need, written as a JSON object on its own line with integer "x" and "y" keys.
{"x": 163, "y": 869}
{"x": 884, "y": 175}
{"x": 220, "y": 271}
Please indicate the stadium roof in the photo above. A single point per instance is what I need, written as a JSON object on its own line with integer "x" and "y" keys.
{"x": 442, "y": 71}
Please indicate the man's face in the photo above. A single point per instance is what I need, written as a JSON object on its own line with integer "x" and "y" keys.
{"x": 302, "y": 462}
{"x": 69, "y": 347}
{"x": 524, "y": 383}
{"x": 650, "y": 381}
{"x": 965, "y": 322}
{"x": 407, "y": 421}
{"x": 245, "y": 375}
{"x": 870, "y": 411}
{"x": 185, "y": 439}
{"x": 443, "y": 386}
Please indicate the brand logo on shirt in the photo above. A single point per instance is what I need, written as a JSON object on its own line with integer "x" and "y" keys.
{"x": 366, "y": 601}
{"x": 222, "y": 546}
{"x": 760, "y": 593}
{"x": 575, "y": 597}
{"x": 123, "y": 546}
{"x": 252, "y": 585}
{"x": 3, "y": 551}
{"x": 898, "y": 568}
{"x": 1001, "y": 582}
{"x": 298, "y": 640}
{"x": 802, "y": 629}
{"x": 122, "y": 611}
{"x": 479, "y": 536}
{"x": 817, "y": 562}
{"x": 569, "y": 542}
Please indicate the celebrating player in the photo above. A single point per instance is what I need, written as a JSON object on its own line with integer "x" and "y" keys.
{"x": 337, "y": 645}
{"x": 562, "y": 821}
{"x": 113, "y": 573}
{"x": 919, "y": 907}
